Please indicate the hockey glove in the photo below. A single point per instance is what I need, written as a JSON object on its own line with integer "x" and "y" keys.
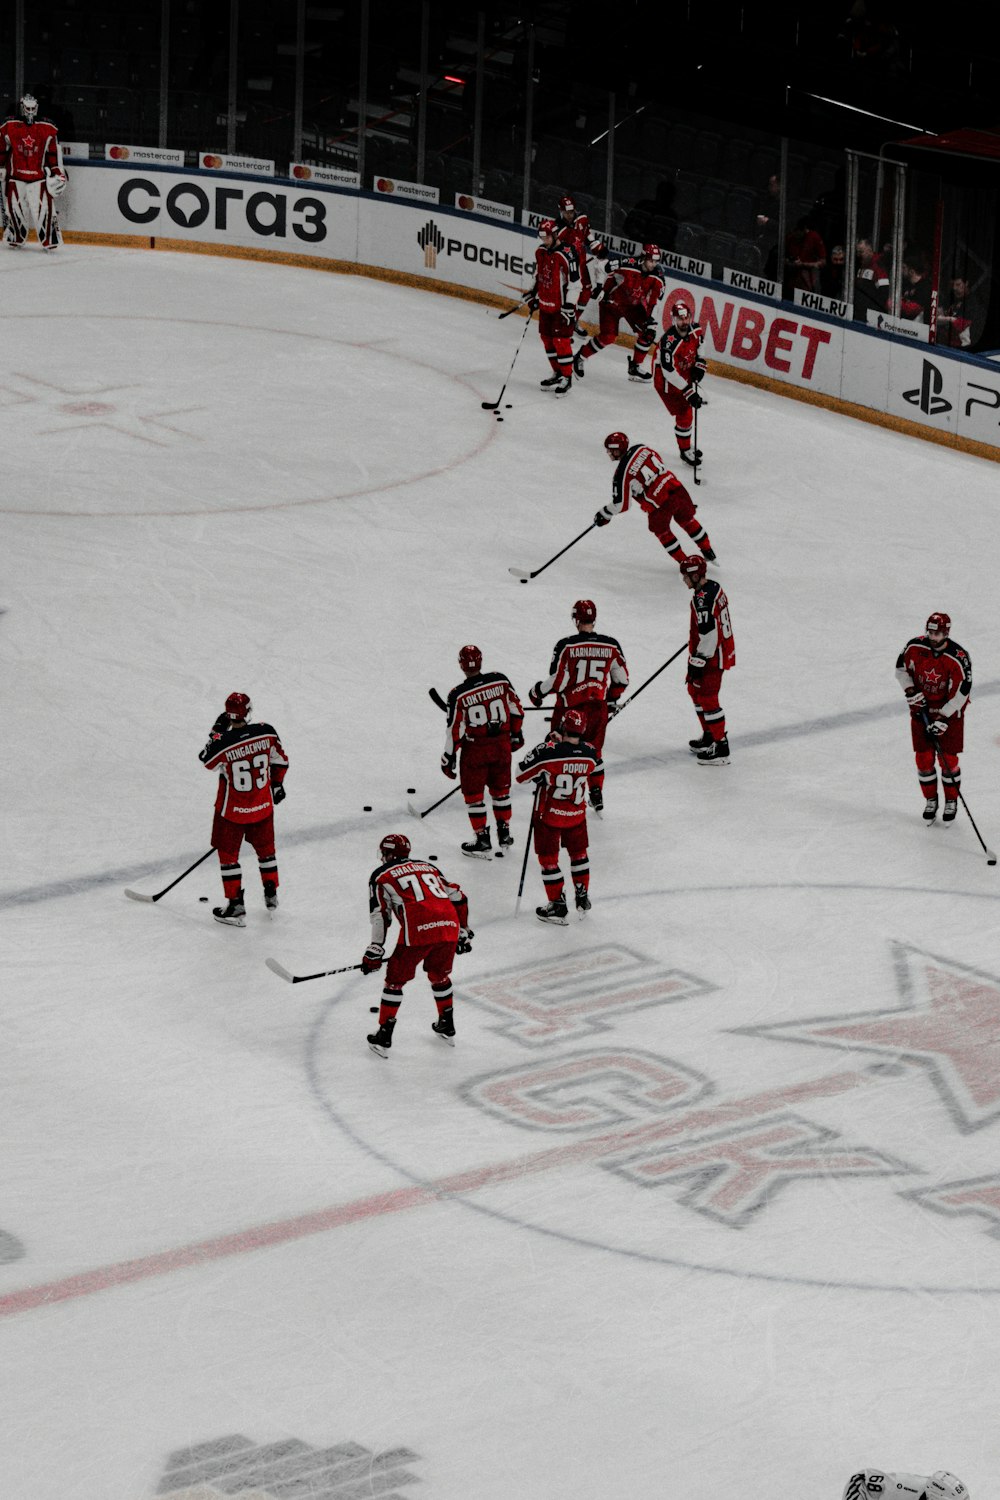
{"x": 465, "y": 937}
{"x": 372, "y": 961}
{"x": 693, "y": 397}
{"x": 278, "y": 793}
{"x": 516, "y": 740}
{"x": 568, "y": 314}
{"x": 448, "y": 765}
{"x": 535, "y": 695}
{"x": 601, "y": 519}
{"x": 938, "y": 726}
{"x": 697, "y": 374}
{"x": 55, "y": 182}
{"x": 531, "y": 302}
{"x": 915, "y": 698}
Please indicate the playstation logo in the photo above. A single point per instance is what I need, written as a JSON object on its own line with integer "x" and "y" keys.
{"x": 929, "y": 397}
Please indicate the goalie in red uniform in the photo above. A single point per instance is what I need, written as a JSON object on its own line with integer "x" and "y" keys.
{"x": 642, "y": 476}
{"x": 33, "y": 176}
{"x": 252, "y": 765}
{"x": 484, "y": 724}
{"x": 936, "y": 674}
{"x": 588, "y": 673}
{"x": 564, "y": 766}
{"x": 555, "y": 271}
{"x": 631, "y": 291}
{"x": 711, "y": 651}
{"x": 433, "y": 916}
{"x": 680, "y": 355}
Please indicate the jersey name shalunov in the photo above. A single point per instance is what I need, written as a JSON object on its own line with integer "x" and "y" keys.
{"x": 246, "y": 747}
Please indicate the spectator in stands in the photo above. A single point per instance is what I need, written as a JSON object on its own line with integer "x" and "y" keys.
{"x": 956, "y": 322}
{"x": 805, "y": 257}
{"x": 832, "y": 278}
{"x": 871, "y": 281}
{"x": 915, "y": 296}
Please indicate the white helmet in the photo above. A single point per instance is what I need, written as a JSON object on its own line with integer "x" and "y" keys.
{"x": 944, "y": 1486}
{"x": 29, "y": 107}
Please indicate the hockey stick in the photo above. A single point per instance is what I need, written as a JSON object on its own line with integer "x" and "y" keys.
{"x": 435, "y": 697}
{"x": 991, "y": 858}
{"x": 494, "y": 405}
{"x": 697, "y": 460}
{"x": 523, "y": 574}
{"x": 282, "y": 972}
{"x": 415, "y": 812}
{"x": 138, "y": 896}
{"x": 524, "y": 299}
{"x": 527, "y": 846}
{"x": 632, "y": 696}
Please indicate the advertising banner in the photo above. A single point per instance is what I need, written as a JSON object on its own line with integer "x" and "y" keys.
{"x": 446, "y": 246}
{"x": 333, "y": 176}
{"x": 923, "y": 388}
{"x": 213, "y": 161}
{"x": 471, "y": 205}
{"x": 746, "y": 281}
{"x": 75, "y": 149}
{"x": 814, "y": 302}
{"x": 161, "y": 155}
{"x": 902, "y": 327}
{"x": 392, "y": 187}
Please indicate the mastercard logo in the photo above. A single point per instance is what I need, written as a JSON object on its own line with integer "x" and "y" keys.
{"x": 211, "y": 161}
{"x": 466, "y": 202}
{"x": 302, "y": 173}
{"x": 384, "y": 185}
{"x": 119, "y": 153}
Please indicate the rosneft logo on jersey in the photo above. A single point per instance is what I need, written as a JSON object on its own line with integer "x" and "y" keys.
{"x": 433, "y": 242}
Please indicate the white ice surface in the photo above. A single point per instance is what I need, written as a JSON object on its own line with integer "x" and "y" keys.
{"x": 222, "y": 476}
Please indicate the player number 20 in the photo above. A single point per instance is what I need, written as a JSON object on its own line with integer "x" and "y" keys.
{"x": 244, "y": 778}
{"x": 570, "y": 788}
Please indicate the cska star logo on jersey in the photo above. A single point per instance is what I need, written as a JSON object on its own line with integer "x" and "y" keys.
{"x": 947, "y": 1024}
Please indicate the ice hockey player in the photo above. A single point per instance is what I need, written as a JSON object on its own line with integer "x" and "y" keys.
{"x": 631, "y": 290}
{"x": 33, "y": 176}
{"x": 642, "y": 476}
{"x": 711, "y": 651}
{"x": 565, "y": 765}
{"x": 251, "y": 765}
{"x": 574, "y": 229}
{"x": 555, "y": 271}
{"x": 433, "y": 916}
{"x": 876, "y": 1484}
{"x": 935, "y": 672}
{"x": 588, "y": 673}
{"x": 680, "y": 355}
{"x": 484, "y": 725}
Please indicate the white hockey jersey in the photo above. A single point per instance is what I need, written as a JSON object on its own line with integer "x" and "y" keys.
{"x": 871, "y": 1483}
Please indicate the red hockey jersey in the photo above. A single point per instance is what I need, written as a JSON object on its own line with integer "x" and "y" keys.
{"x": 28, "y": 151}
{"x": 555, "y": 268}
{"x": 482, "y": 708}
{"x": 250, "y": 760}
{"x": 428, "y": 907}
{"x": 944, "y": 678}
{"x": 623, "y": 285}
{"x": 566, "y": 773}
{"x": 642, "y": 476}
{"x": 586, "y": 668}
{"x": 680, "y": 353}
{"x": 711, "y": 628}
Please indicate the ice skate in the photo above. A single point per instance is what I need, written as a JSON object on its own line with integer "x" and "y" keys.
{"x": 930, "y": 809}
{"x": 554, "y": 911}
{"x": 715, "y": 754}
{"x": 480, "y": 847}
{"x": 234, "y": 913}
{"x": 380, "y": 1041}
{"x": 270, "y": 895}
{"x": 444, "y": 1026}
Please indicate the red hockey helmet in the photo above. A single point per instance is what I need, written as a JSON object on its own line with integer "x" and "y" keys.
{"x": 694, "y": 568}
{"x": 238, "y": 706}
{"x": 651, "y": 252}
{"x": 939, "y": 623}
{"x": 572, "y": 722}
{"x": 548, "y": 226}
{"x": 394, "y": 846}
{"x": 567, "y": 202}
{"x": 470, "y": 659}
{"x": 616, "y": 444}
{"x": 585, "y": 611}
{"x": 681, "y": 312}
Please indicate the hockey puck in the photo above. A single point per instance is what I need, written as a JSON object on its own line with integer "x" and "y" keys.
{"x": 411, "y": 789}
{"x": 507, "y": 406}
{"x": 992, "y": 861}
{"x": 499, "y": 417}
{"x": 202, "y": 898}
{"x": 432, "y": 856}
{"x": 366, "y": 809}
{"x": 522, "y": 580}
{"x": 373, "y": 1009}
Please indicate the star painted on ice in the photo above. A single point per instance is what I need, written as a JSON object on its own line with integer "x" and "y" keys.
{"x": 948, "y": 1022}
{"x": 88, "y": 407}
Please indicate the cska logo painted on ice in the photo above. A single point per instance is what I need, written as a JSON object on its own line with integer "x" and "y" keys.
{"x": 928, "y": 394}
